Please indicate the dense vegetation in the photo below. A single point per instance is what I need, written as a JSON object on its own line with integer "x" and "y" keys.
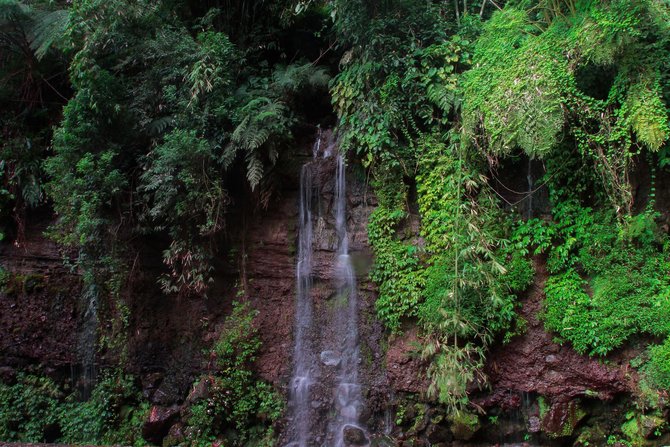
{"x": 174, "y": 114}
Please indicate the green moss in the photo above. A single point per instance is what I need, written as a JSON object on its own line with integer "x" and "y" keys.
{"x": 464, "y": 424}
{"x": 543, "y": 406}
{"x": 20, "y": 283}
{"x": 639, "y": 427}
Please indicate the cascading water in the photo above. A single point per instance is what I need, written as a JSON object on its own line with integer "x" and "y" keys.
{"x": 325, "y": 399}
{"x": 348, "y": 392}
{"x": 83, "y": 376}
{"x": 302, "y": 355}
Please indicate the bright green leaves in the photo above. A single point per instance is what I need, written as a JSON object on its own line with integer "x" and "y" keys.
{"x": 644, "y": 111}
{"x": 212, "y": 70}
{"x": 608, "y": 280}
{"x": 658, "y": 368}
{"x": 523, "y": 93}
{"x": 451, "y": 277}
{"x": 625, "y": 300}
{"x": 398, "y": 268}
{"x": 512, "y": 96}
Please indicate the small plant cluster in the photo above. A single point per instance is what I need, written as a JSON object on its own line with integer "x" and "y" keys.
{"x": 239, "y": 407}
{"x": 34, "y": 409}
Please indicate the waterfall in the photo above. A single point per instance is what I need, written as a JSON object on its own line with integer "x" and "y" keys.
{"x": 348, "y": 391}
{"x": 299, "y": 398}
{"x": 325, "y": 400}
{"x": 83, "y": 376}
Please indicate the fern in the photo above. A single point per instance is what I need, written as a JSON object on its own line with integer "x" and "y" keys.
{"x": 254, "y": 170}
{"x": 160, "y": 125}
{"x": 47, "y": 28}
{"x": 293, "y": 78}
{"x": 263, "y": 118}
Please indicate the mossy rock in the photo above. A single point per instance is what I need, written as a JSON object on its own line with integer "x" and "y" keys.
{"x": 591, "y": 436}
{"x": 464, "y": 425}
{"x": 642, "y": 427}
{"x": 562, "y": 418}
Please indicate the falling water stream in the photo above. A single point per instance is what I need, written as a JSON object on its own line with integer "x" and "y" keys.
{"x": 303, "y": 355}
{"x": 325, "y": 358}
{"x": 348, "y": 391}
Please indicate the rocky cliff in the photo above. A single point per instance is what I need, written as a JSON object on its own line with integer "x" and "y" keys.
{"x": 536, "y": 389}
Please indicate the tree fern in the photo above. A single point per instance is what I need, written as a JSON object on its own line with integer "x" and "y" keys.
{"x": 47, "y": 28}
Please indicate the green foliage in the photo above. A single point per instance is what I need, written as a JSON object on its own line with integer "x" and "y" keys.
{"x": 622, "y": 289}
{"x": 527, "y": 91}
{"x": 34, "y": 406}
{"x": 658, "y": 367}
{"x": 113, "y": 414}
{"x": 238, "y": 400}
{"x": 451, "y": 278}
{"x": 467, "y": 297}
{"x": 160, "y": 127}
{"x": 397, "y": 268}
{"x": 30, "y": 92}
{"x": 27, "y": 407}
{"x": 394, "y": 89}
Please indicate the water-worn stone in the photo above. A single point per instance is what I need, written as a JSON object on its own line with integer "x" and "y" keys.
{"x": 437, "y": 434}
{"x": 330, "y": 358}
{"x": 354, "y": 436}
{"x": 158, "y": 423}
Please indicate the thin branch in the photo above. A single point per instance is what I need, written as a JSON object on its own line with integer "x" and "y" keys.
{"x": 496, "y": 5}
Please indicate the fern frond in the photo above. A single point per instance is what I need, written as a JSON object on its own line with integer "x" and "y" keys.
{"x": 254, "y": 170}
{"x": 240, "y": 130}
{"x": 255, "y": 138}
{"x": 273, "y": 154}
{"x": 319, "y": 78}
{"x": 229, "y": 155}
{"x": 443, "y": 98}
{"x": 47, "y": 27}
{"x": 159, "y": 125}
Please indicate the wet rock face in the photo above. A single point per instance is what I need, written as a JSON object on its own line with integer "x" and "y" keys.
{"x": 406, "y": 372}
{"x": 38, "y": 306}
{"x": 533, "y": 363}
{"x": 562, "y": 419}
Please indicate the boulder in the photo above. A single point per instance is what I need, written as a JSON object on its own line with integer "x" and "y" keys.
{"x": 354, "y": 436}
{"x": 158, "y": 423}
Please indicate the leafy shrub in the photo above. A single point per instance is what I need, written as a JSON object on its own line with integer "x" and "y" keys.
{"x": 658, "y": 367}
{"x": 27, "y": 408}
{"x": 113, "y": 414}
{"x": 240, "y": 406}
{"x": 34, "y": 407}
{"x": 626, "y": 292}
